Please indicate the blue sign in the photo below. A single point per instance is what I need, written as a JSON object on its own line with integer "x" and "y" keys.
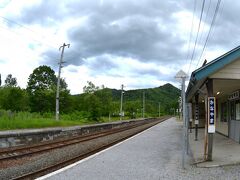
{"x": 211, "y": 110}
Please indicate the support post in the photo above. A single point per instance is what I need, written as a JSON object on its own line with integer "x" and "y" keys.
{"x": 187, "y": 127}
{"x": 210, "y": 135}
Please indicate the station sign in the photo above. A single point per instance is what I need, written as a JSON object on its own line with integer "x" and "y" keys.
{"x": 211, "y": 114}
{"x": 190, "y": 112}
{"x": 196, "y": 115}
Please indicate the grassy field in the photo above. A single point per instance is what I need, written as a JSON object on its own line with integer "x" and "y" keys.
{"x": 26, "y": 120}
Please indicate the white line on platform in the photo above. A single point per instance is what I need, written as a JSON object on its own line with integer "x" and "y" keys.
{"x": 92, "y": 156}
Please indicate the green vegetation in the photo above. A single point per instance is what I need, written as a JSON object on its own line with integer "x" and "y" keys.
{"x": 34, "y": 107}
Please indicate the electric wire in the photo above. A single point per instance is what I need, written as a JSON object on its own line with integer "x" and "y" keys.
{"x": 32, "y": 31}
{"x": 34, "y": 39}
{"x": 199, "y": 25}
{"x": 210, "y": 29}
{"x": 67, "y": 58}
{"x": 191, "y": 31}
{"x": 205, "y": 20}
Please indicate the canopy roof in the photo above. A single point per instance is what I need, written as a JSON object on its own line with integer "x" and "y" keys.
{"x": 199, "y": 76}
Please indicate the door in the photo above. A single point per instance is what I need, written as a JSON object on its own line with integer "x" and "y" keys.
{"x": 235, "y": 121}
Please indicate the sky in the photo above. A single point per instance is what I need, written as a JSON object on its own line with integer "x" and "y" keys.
{"x": 138, "y": 43}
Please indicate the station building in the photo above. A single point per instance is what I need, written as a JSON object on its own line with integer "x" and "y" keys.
{"x": 219, "y": 78}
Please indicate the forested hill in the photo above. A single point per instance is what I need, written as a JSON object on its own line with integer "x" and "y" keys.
{"x": 109, "y": 100}
{"x": 167, "y": 95}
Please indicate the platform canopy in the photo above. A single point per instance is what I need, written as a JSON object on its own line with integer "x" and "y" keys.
{"x": 225, "y": 67}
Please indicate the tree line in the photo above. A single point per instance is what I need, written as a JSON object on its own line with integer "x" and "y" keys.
{"x": 40, "y": 96}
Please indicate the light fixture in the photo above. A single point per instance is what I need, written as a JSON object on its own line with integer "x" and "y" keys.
{"x": 218, "y": 92}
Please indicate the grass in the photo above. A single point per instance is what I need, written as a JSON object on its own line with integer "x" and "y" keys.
{"x": 26, "y": 120}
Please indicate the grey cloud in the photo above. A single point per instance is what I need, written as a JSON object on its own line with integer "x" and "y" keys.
{"x": 52, "y": 58}
{"x": 44, "y": 13}
{"x": 72, "y": 69}
{"x": 153, "y": 72}
{"x": 50, "y": 10}
{"x": 226, "y": 32}
{"x": 136, "y": 36}
{"x": 101, "y": 63}
{"x": 142, "y": 30}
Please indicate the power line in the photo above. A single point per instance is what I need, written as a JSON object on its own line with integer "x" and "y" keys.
{"x": 205, "y": 20}
{"x": 36, "y": 40}
{"x": 210, "y": 29}
{"x": 199, "y": 25}
{"x": 28, "y": 29}
{"x": 191, "y": 32}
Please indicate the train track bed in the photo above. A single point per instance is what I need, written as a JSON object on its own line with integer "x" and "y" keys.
{"x": 48, "y": 157}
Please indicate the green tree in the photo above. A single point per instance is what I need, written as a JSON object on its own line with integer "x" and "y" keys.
{"x": 42, "y": 91}
{"x": 91, "y": 101}
{"x": 105, "y": 97}
{"x": 92, "y": 104}
{"x": 14, "y": 99}
{"x": 42, "y": 78}
{"x": 90, "y": 88}
{"x": 10, "y": 81}
{"x": 0, "y": 79}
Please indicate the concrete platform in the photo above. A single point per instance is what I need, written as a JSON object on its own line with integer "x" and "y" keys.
{"x": 225, "y": 151}
{"x": 153, "y": 154}
{"x": 11, "y": 138}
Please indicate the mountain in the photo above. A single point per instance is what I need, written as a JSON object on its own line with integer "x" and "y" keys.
{"x": 167, "y": 95}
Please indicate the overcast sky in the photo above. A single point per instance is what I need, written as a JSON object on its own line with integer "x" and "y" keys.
{"x": 138, "y": 43}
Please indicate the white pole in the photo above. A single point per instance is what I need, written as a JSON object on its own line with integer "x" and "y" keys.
{"x": 121, "y": 106}
{"x": 184, "y": 122}
{"x": 143, "y": 104}
{"x": 159, "y": 109}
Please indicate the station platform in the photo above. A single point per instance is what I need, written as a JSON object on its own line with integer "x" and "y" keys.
{"x": 152, "y": 154}
{"x": 225, "y": 150}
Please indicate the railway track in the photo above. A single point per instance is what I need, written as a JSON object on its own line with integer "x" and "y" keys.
{"x": 9, "y": 154}
{"x": 19, "y": 152}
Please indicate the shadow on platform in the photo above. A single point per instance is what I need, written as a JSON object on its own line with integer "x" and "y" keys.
{"x": 225, "y": 150}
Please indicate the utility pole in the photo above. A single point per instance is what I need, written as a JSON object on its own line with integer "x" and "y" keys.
{"x": 159, "y": 104}
{"x": 58, "y": 81}
{"x": 121, "y": 106}
{"x": 143, "y": 112}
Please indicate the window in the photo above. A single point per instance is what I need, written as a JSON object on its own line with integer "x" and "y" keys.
{"x": 237, "y": 110}
{"x": 232, "y": 110}
{"x": 224, "y": 112}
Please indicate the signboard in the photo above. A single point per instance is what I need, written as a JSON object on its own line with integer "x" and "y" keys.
{"x": 211, "y": 114}
{"x": 234, "y": 95}
{"x": 190, "y": 112}
{"x": 196, "y": 115}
